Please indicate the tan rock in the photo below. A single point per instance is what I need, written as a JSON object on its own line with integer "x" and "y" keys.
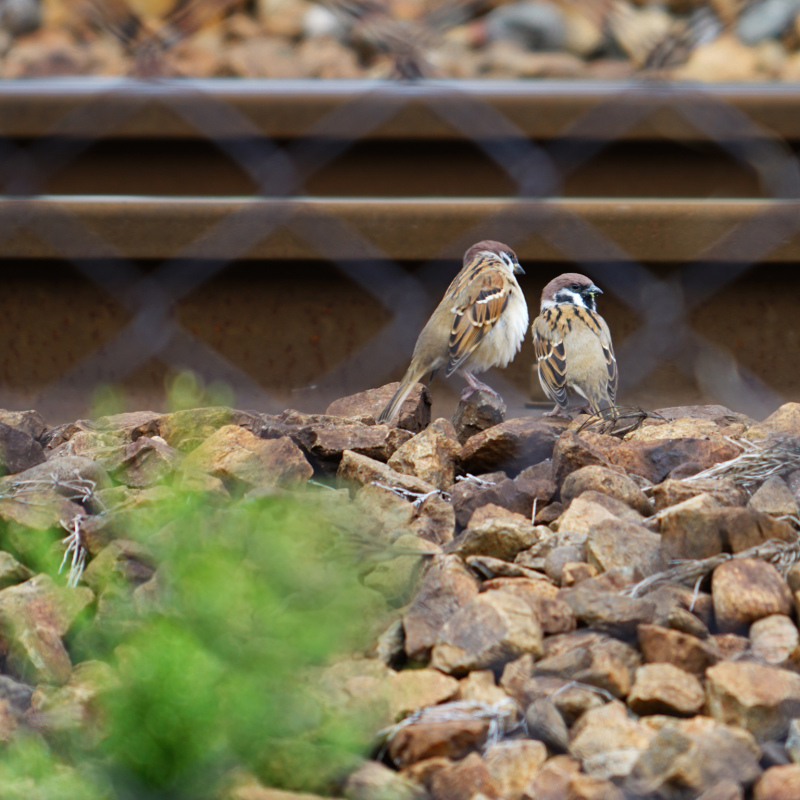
{"x": 606, "y": 481}
{"x": 745, "y": 590}
{"x": 235, "y": 455}
{"x": 775, "y": 640}
{"x": 745, "y": 528}
{"x": 185, "y": 430}
{"x": 496, "y": 627}
{"x": 730, "y": 645}
{"x": 575, "y": 451}
{"x": 582, "y": 514}
{"x": 373, "y": 780}
{"x": 691, "y": 529}
{"x": 760, "y": 698}
{"x": 608, "y": 742}
{"x": 11, "y": 571}
{"x": 552, "y": 612}
{"x": 654, "y": 460}
{"x": 784, "y": 421}
{"x": 778, "y": 783}
{"x": 511, "y": 446}
{"x": 681, "y": 428}
{"x": 396, "y": 577}
{"x": 430, "y": 455}
{"x": 360, "y": 470}
{"x": 423, "y": 772}
{"x": 546, "y": 724}
{"x": 553, "y": 780}
{"x": 74, "y": 709}
{"x": 725, "y": 59}
{"x": 425, "y": 739}
{"x": 495, "y": 531}
{"x": 721, "y": 415}
{"x": 447, "y": 587}
{"x": 394, "y": 514}
{"x": 590, "y": 787}
{"x": 590, "y": 657}
{"x": 724, "y": 789}
{"x": 516, "y": 495}
{"x": 464, "y": 780}
{"x": 598, "y": 603}
{"x": 412, "y": 689}
{"x": 513, "y": 764}
{"x": 31, "y": 422}
{"x": 477, "y": 411}
{"x": 558, "y": 557}
{"x": 327, "y": 437}
{"x": 671, "y": 492}
{"x": 665, "y": 689}
{"x": 774, "y": 497}
{"x": 688, "y": 757}
{"x": 666, "y": 645}
{"x": 575, "y": 572}
{"x": 618, "y": 543}
{"x": 146, "y": 462}
{"x": 479, "y": 687}
{"x": 34, "y": 618}
{"x": 700, "y": 528}
{"x": 252, "y": 790}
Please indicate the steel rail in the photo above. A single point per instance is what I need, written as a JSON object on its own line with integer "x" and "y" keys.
{"x": 290, "y": 108}
{"x": 405, "y": 229}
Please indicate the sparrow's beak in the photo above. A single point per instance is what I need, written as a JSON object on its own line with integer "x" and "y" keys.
{"x": 593, "y": 290}
{"x": 517, "y": 268}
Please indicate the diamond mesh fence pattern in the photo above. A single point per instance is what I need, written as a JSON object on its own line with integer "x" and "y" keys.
{"x": 380, "y": 245}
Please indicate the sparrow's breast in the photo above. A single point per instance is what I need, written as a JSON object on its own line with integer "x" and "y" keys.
{"x": 503, "y": 341}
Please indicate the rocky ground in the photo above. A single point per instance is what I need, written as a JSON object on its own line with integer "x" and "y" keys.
{"x": 706, "y": 40}
{"x": 565, "y": 613}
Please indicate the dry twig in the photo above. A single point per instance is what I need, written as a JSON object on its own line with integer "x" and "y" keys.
{"x": 505, "y": 717}
{"x": 763, "y": 460}
{"x": 781, "y": 554}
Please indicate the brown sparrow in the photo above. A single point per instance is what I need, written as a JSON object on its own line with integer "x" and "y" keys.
{"x": 573, "y": 345}
{"x": 479, "y": 324}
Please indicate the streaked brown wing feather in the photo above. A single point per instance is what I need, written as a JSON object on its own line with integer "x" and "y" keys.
{"x": 548, "y": 345}
{"x": 598, "y": 324}
{"x": 481, "y": 295}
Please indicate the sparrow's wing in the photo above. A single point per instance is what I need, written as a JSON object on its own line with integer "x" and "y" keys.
{"x": 548, "y": 344}
{"x": 480, "y": 293}
{"x": 608, "y": 353}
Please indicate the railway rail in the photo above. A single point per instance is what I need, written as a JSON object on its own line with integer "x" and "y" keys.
{"x": 262, "y": 205}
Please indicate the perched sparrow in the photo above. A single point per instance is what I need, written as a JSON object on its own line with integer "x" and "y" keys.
{"x": 573, "y": 345}
{"x": 479, "y": 324}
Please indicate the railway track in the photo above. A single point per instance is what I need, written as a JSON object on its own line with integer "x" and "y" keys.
{"x": 256, "y": 176}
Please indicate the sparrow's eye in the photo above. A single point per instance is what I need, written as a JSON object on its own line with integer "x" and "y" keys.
{"x": 576, "y": 287}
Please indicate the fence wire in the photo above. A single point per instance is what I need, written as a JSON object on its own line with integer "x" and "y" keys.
{"x": 281, "y": 170}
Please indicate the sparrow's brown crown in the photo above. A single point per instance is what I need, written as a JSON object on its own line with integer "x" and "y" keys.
{"x": 571, "y": 287}
{"x": 503, "y": 251}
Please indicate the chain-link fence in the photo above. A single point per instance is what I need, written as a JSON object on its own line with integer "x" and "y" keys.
{"x": 293, "y": 295}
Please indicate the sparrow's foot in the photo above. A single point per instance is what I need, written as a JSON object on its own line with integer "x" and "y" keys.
{"x": 478, "y": 386}
{"x": 557, "y": 413}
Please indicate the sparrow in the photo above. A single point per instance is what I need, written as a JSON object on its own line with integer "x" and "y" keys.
{"x": 480, "y": 322}
{"x": 573, "y": 345}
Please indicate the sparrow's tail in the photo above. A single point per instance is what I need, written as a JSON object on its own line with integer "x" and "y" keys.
{"x": 392, "y": 407}
{"x": 601, "y": 405}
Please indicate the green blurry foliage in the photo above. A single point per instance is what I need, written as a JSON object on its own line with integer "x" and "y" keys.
{"x": 215, "y": 676}
{"x": 30, "y": 771}
{"x": 107, "y": 400}
{"x": 218, "y": 679}
{"x": 186, "y": 389}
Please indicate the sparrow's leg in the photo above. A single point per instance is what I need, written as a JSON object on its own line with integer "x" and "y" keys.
{"x": 476, "y": 385}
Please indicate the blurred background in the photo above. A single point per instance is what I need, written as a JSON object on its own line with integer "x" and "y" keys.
{"x": 273, "y": 195}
